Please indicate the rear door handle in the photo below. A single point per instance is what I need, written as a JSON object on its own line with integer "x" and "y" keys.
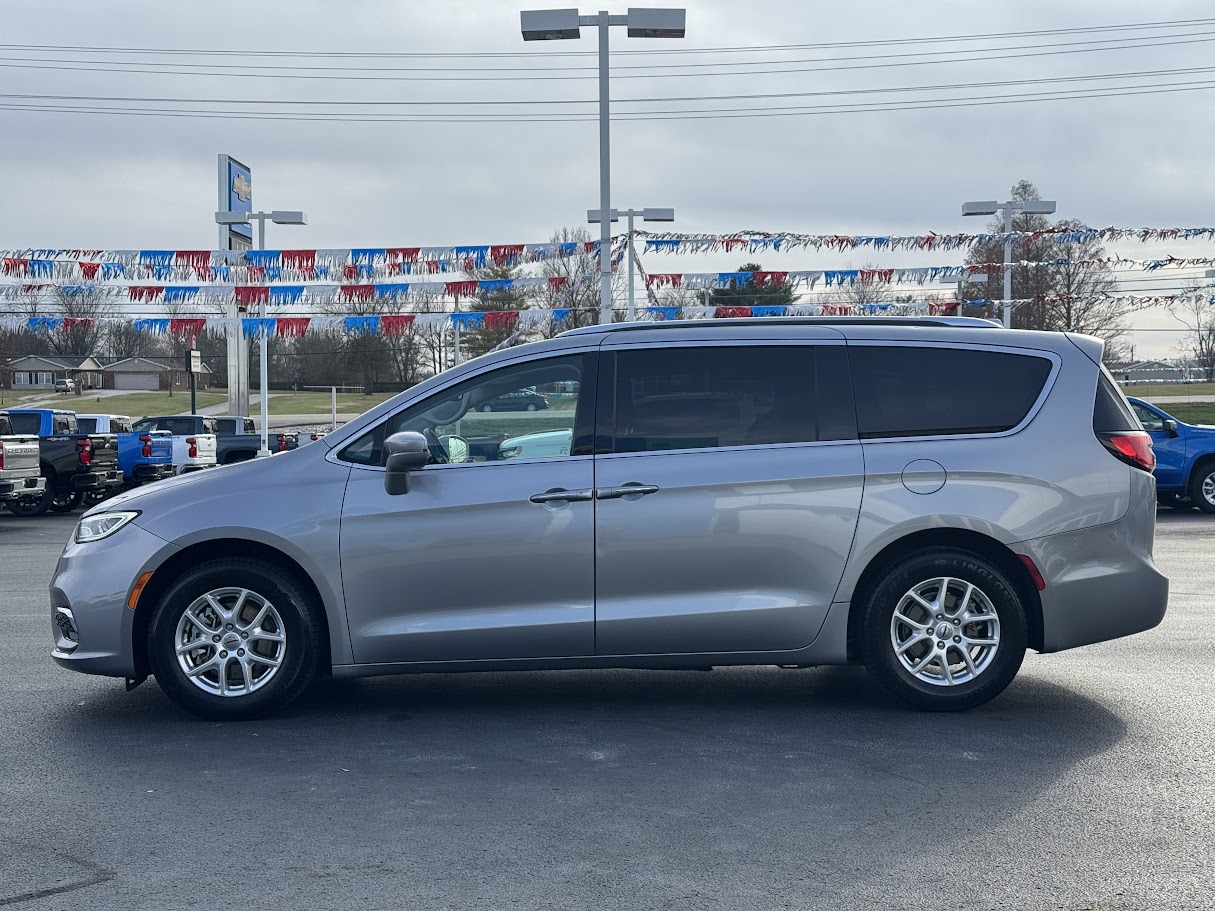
{"x": 631, "y": 490}
{"x": 560, "y": 494}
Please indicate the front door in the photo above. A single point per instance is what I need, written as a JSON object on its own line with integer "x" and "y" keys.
{"x": 483, "y": 558}
{"x": 1169, "y": 449}
{"x": 728, "y": 490}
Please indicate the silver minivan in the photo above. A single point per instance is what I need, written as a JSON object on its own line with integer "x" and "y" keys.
{"x": 929, "y": 497}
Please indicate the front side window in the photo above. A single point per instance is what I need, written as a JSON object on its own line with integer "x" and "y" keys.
{"x": 713, "y": 397}
{"x": 487, "y": 418}
{"x": 913, "y": 390}
{"x": 1149, "y": 419}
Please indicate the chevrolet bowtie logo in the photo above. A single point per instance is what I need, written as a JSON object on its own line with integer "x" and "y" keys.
{"x": 241, "y": 187}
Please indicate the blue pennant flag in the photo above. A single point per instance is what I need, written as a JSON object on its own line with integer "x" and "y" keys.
{"x": 113, "y": 270}
{"x": 286, "y": 294}
{"x": 468, "y": 320}
{"x": 362, "y": 325}
{"x": 156, "y": 257}
{"x": 496, "y": 284}
{"x": 476, "y": 254}
{"x": 652, "y": 245}
{"x": 42, "y": 268}
{"x": 391, "y": 291}
{"x": 663, "y": 312}
{"x": 569, "y": 249}
{"x": 738, "y": 278}
{"x": 274, "y": 273}
{"x": 74, "y": 290}
{"x": 560, "y": 314}
{"x": 155, "y": 326}
{"x": 162, "y": 273}
{"x": 45, "y": 323}
{"x": 263, "y": 258}
{"x": 253, "y": 327}
{"x": 769, "y": 311}
{"x": 221, "y": 273}
{"x": 181, "y": 293}
{"x": 368, "y": 255}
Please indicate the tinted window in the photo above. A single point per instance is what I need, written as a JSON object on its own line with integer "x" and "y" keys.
{"x": 249, "y": 428}
{"x": 905, "y": 391}
{"x": 1149, "y": 419}
{"x": 65, "y": 423}
{"x": 26, "y": 423}
{"x": 87, "y": 425}
{"x": 703, "y": 398}
{"x": 1111, "y": 411}
{"x": 6, "y": 429}
{"x": 466, "y": 423}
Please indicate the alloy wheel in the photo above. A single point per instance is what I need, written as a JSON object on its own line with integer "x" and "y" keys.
{"x": 230, "y": 642}
{"x": 945, "y": 631}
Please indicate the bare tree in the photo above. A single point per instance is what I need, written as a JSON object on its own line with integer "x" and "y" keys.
{"x": 579, "y": 290}
{"x": 1198, "y": 317}
{"x": 869, "y": 288}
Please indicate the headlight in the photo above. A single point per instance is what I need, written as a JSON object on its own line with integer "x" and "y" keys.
{"x": 102, "y": 525}
{"x": 510, "y": 452}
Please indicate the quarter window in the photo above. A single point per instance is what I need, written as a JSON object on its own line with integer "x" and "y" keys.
{"x": 913, "y": 390}
{"x": 712, "y": 397}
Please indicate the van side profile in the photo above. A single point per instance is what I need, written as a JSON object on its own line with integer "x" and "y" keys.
{"x": 928, "y": 497}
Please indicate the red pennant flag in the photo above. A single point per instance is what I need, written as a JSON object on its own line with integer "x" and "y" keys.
{"x": 403, "y": 254}
{"x": 89, "y": 270}
{"x": 729, "y": 243}
{"x": 663, "y": 280}
{"x": 16, "y": 266}
{"x": 70, "y": 321}
{"x": 837, "y": 310}
{"x": 252, "y": 294}
{"x": 350, "y": 270}
{"x": 724, "y": 312}
{"x": 462, "y": 288}
{"x": 557, "y": 282}
{"x": 292, "y": 326}
{"x": 393, "y": 267}
{"x": 500, "y": 319}
{"x": 882, "y": 276}
{"x": 396, "y": 324}
{"x": 506, "y": 253}
{"x": 256, "y": 273}
{"x": 765, "y": 279}
{"x": 355, "y": 292}
{"x": 304, "y": 260}
{"x": 196, "y": 259}
{"x": 187, "y": 328}
{"x": 943, "y": 309}
{"x": 147, "y": 292}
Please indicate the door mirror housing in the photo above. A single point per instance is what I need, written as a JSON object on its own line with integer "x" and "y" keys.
{"x": 1170, "y": 427}
{"x": 407, "y": 451}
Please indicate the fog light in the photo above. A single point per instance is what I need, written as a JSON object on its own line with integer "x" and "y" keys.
{"x": 66, "y": 636}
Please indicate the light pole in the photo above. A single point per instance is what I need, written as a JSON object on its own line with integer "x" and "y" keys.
{"x": 279, "y": 217}
{"x": 558, "y": 24}
{"x": 593, "y": 215}
{"x": 1010, "y": 208}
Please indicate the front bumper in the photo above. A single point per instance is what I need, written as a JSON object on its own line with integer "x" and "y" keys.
{"x": 22, "y": 487}
{"x": 92, "y": 582}
{"x": 97, "y": 480}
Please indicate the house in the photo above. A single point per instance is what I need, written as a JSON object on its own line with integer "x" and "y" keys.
{"x": 39, "y": 371}
{"x": 1149, "y": 372}
{"x": 151, "y": 373}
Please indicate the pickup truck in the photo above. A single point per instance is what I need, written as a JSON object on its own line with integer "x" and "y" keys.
{"x": 18, "y": 463}
{"x": 239, "y": 440}
{"x": 143, "y": 456}
{"x": 1185, "y": 458}
{"x": 71, "y": 462}
{"x": 194, "y": 439}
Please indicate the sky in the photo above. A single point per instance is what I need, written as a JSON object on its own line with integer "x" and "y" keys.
{"x": 111, "y": 180}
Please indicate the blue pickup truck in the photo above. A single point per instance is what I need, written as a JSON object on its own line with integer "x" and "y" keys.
{"x": 143, "y": 456}
{"x": 1185, "y": 458}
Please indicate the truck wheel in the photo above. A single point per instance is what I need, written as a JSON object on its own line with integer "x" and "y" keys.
{"x": 944, "y": 630}
{"x": 63, "y": 500}
{"x": 27, "y": 505}
{"x": 1202, "y": 487}
{"x": 235, "y": 638}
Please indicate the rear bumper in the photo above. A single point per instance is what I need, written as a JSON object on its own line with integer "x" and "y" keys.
{"x": 18, "y": 486}
{"x": 1101, "y": 582}
{"x": 97, "y": 480}
{"x": 194, "y": 466}
{"x": 149, "y": 472}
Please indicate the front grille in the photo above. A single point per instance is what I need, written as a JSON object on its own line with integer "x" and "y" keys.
{"x": 66, "y": 635}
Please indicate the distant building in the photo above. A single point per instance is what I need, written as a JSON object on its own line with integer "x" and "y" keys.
{"x": 1149, "y": 372}
{"x": 39, "y": 371}
{"x": 151, "y": 373}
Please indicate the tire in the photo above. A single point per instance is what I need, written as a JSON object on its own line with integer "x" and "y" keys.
{"x": 1202, "y": 487}
{"x": 27, "y": 506}
{"x": 486, "y": 409}
{"x": 63, "y": 500}
{"x": 949, "y": 685}
{"x": 531, "y": 407}
{"x": 293, "y": 616}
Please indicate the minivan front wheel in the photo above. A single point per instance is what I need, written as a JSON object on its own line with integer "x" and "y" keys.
{"x": 235, "y": 639}
{"x": 944, "y": 630}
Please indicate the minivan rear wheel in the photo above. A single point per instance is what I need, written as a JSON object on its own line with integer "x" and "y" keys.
{"x": 944, "y": 630}
{"x": 235, "y": 639}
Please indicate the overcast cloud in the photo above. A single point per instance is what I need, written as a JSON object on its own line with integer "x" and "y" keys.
{"x": 87, "y": 180}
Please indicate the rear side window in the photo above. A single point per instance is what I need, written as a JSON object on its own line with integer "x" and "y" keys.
{"x": 65, "y": 423}
{"x": 711, "y": 397}
{"x": 1111, "y": 411}
{"x": 26, "y": 423}
{"x": 87, "y": 425}
{"x": 6, "y": 429}
{"x": 249, "y": 428}
{"x": 912, "y": 391}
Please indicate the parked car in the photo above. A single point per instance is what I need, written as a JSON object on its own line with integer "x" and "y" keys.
{"x": 71, "y": 462}
{"x": 19, "y": 472}
{"x": 519, "y": 400}
{"x": 1185, "y": 458}
{"x": 195, "y": 444}
{"x": 825, "y": 492}
{"x": 546, "y": 444}
{"x": 144, "y": 456}
{"x": 65, "y": 386}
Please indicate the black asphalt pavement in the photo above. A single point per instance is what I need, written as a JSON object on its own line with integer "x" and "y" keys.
{"x": 1090, "y": 784}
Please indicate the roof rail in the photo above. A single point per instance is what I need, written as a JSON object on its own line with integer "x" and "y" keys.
{"x": 969, "y": 322}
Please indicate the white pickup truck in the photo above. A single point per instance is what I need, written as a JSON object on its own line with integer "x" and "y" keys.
{"x": 194, "y": 443}
{"x": 20, "y": 472}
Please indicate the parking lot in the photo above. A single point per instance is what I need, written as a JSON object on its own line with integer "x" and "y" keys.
{"x": 1087, "y": 785}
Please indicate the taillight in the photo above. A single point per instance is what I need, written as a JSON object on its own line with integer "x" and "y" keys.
{"x": 147, "y": 445}
{"x": 315, "y": 437}
{"x": 1131, "y": 446}
{"x": 192, "y": 442}
{"x": 282, "y": 443}
{"x": 86, "y": 451}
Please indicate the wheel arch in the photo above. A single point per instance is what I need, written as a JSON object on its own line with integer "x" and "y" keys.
{"x": 961, "y": 539}
{"x": 168, "y": 572}
{"x": 1203, "y": 461}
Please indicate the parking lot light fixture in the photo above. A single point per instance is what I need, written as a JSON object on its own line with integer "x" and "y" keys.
{"x": 646, "y": 214}
{"x": 1009, "y": 209}
{"x": 559, "y": 24}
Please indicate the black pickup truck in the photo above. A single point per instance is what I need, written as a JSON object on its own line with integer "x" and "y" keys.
{"x": 71, "y": 462}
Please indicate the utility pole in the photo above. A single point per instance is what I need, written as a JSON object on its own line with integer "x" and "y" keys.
{"x": 1009, "y": 209}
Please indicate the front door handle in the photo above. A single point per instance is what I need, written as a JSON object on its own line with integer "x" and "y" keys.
{"x": 560, "y": 494}
{"x": 629, "y": 491}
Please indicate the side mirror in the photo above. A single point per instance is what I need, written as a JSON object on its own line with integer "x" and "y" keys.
{"x": 407, "y": 451}
{"x": 1170, "y": 427}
